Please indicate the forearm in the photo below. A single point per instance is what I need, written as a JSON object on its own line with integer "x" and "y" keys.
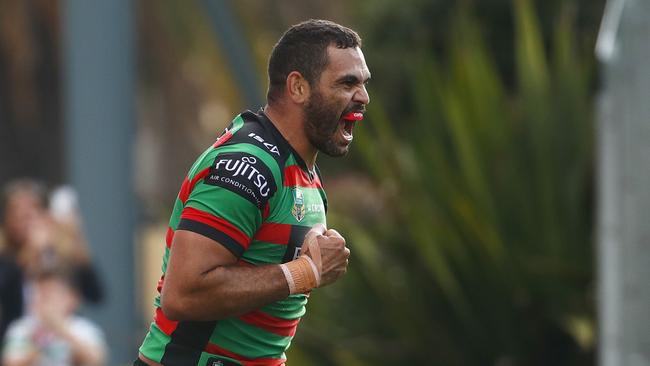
{"x": 224, "y": 291}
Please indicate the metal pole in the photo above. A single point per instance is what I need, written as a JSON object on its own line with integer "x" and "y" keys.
{"x": 99, "y": 130}
{"x": 234, "y": 48}
{"x": 624, "y": 185}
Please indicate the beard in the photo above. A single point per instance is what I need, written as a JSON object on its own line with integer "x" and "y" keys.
{"x": 321, "y": 124}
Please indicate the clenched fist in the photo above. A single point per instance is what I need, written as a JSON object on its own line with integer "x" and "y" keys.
{"x": 327, "y": 250}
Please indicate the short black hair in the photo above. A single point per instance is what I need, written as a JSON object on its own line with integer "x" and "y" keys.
{"x": 303, "y": 48}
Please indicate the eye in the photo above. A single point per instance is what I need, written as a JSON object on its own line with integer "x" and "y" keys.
{"x": 350, "y": 81}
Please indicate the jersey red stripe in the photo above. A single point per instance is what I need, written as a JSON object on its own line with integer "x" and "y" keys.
{"x": 221, "y": 140}
{"x": 272, "y": 232}
{"x": 279, "y": 326}
{"x": 216, "y": 350}
{"x": 169, "y": 237}
{"x": 167, "y": 326}
{"x": 218, "y": 223}
{"x": 266, "y": 211}
{"x": 295, "y": 176}
{"x": 160, "y": 284}
{"x": 188, "y": 186}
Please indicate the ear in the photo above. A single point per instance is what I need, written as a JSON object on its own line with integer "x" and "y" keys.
{"x": 297, "y": 87}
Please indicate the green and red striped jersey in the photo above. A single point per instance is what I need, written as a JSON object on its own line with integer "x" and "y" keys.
{"x": 252, "y": 193}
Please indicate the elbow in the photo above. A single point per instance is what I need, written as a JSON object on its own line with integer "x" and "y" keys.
{"x": 174, "y": 306}
{"x": 171, "y": 310}
{"x": 182, "y": 306}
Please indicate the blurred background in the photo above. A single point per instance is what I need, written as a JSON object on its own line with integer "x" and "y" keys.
{"x": 469, "y": 198}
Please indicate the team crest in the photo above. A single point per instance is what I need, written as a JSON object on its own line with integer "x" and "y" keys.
{"x": 298, "y": 209}
{"x": 213, "y": 361}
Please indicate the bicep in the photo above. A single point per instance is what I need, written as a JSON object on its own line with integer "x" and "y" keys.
{"x": 193, "y": 255}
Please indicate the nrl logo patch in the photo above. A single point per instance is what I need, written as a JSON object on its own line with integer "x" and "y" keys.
{"x": 298, "y": 209}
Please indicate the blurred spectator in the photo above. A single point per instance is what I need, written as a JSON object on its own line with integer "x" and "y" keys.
{"x": 64, "y": 210}
{"x": 22, "y": 202}
{"x": 35, "y": 239}
{"x": 51, "y": 334}
{"x": 11, "y": 296}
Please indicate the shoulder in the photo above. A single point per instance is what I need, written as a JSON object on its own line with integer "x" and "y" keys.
{"x": 21, "y": 327}
{"x": 247, "y": 159}
{"x": 255, "y": 132}
{"x": 252, "y": 139}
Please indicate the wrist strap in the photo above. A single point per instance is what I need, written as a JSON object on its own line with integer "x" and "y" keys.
{"x": 302, "y": 275}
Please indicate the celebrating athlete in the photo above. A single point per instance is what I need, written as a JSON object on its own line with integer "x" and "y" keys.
{"x": 247, "y": 239}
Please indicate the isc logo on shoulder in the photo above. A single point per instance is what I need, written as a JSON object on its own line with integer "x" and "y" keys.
{"x": 272, "y": 148}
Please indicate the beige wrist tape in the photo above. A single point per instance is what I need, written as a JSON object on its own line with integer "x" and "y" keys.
{"x": 303, "y": 274}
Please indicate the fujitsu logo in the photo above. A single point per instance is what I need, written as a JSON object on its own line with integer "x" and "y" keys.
{"x": 244, "y": 167}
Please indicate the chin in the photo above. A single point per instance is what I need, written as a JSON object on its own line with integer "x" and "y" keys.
{"x": 335, "y": 151}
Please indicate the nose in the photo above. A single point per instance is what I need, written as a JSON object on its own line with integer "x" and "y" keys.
{"x": 361, "y": 96}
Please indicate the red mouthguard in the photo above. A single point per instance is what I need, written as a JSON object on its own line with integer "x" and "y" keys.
{"x": 353, "y": 116}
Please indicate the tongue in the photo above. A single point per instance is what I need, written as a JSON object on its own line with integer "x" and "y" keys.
{"x": 353, "y": 116}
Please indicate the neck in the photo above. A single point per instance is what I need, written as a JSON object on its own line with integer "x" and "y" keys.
{"x": 291, "y": 126}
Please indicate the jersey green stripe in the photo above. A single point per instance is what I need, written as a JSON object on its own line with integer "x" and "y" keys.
{"x": 261, "y": 252}
{"x": 154, "y": 343}
{"x": 315, "y": 213}
{"x": 237, "y": 123}
{"x": 293, "y": 307}
{"x": 203, "y": 161}
{"x": 176, "y": 214}
{"x": 291, "y": 160}
{"x": 249, "y": 340}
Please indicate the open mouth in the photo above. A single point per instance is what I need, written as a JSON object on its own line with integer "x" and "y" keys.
{"x": 347, "y": 124}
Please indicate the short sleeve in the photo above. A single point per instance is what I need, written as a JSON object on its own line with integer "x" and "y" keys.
{"x": 227, "y": 202}
{"x": 17, "y": 344}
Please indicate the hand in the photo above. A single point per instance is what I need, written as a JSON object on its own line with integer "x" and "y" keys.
{"x": 328, "y": 251}
{"x": 52, "y": 315}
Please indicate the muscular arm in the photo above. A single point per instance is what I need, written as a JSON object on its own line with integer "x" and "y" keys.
{"x": 203, "y": 281}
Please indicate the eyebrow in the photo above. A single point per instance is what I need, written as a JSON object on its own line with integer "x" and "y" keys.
{"x": 350, "y": 78}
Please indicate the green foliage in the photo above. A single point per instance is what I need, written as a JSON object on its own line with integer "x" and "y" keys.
{"x": 479, "y": 251}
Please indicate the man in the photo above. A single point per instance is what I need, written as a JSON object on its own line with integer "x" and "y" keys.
{"x": 235, "y": 280}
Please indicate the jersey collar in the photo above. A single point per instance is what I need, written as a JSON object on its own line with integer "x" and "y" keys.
{"x": 269, "y": 125}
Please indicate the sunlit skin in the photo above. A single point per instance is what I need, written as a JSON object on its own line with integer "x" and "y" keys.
{"x": 310, "y": 117}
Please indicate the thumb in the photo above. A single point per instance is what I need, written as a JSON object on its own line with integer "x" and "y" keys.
{"x": 311, "y": 247}
{"x": 312, "y": 234}
{"x": 314, "y": 253}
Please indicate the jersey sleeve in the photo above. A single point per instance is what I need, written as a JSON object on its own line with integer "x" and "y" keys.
{"x": 229, "y": 198}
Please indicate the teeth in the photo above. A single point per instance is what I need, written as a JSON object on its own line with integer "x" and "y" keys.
{"x": 346, "y": 130}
